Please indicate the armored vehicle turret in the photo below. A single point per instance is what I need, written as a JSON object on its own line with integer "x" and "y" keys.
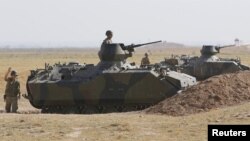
{"x": 206, "y": 65}
{"x": 212, "y": 50}
{"x": 208, "y": 52}
{"x": 112, "y": 85}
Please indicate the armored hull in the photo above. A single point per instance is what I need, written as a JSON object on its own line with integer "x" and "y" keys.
{"x": 206, "y": 65}
{"x": 205, "y": 70}
{"x": 111, "y": 85}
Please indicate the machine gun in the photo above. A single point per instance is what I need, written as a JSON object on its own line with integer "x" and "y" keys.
{"x": 220, "y": 47}
{"x": 131, "y": 47}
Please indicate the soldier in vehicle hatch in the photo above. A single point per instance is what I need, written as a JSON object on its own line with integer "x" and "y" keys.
{"x": 108, "y": 40}
{"x": 145, "y": 60}
{"x": 12, "y": 91}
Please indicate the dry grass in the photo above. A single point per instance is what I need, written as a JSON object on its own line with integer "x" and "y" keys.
{"x": 125, "y": 126}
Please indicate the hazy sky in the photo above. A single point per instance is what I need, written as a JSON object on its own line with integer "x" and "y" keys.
{"x": 84, "y": 22}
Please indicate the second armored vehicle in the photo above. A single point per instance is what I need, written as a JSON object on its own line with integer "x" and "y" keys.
{"x": 112, "y": 85}
{"x": 205, "y": 66}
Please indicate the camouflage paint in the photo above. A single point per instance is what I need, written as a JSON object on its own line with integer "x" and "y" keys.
{"x": 113, "y": 82}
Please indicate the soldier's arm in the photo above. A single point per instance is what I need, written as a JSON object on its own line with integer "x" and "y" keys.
{"x": 105, "y": 41}
{"x": 19, "y": 92}
{"x": 7, "y": 74}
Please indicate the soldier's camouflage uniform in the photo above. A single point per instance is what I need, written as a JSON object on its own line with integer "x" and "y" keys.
{"x": 106, "y": 41}
{"x": 11, "y": 95}
{"x": 145, "y": 61}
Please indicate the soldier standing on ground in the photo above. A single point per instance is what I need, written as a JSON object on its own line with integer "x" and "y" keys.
{"x": 145, "y": 60}
{"x": 108, "y": 40}
{"x": 12, "y": 91}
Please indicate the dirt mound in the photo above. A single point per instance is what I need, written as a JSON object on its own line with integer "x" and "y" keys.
{"x": 215, "y": 92}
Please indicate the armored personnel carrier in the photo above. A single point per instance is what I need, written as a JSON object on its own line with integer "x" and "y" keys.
{"x": 206, "y": 65}
{"x": 112, "y": 85}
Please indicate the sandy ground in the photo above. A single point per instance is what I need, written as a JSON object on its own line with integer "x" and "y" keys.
{"x": 114, "y": 126}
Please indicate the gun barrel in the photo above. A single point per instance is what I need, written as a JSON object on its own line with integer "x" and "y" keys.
{"x": 150, "y": 43}
{"x": 138, "y": 45}
{"x": 220, "y": 47}
{"x": 227, "y": 46}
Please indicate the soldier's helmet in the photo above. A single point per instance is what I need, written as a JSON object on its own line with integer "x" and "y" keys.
{"x": 109, "y": 32}
{"x": 13, "y": 73}
{"x": 146, "y": 54}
